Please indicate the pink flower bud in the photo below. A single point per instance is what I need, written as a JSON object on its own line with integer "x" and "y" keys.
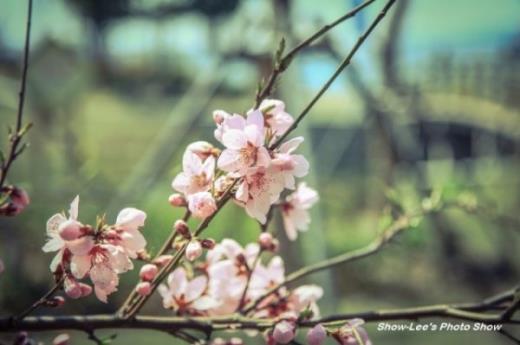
{"x": 202, "y": 204}
{"x": 203, "y": 149}
{"x": 18, "y": 201}
{"x": 283, "y": 332}
{"x": 162, "y": 260}
{"x": 193, "y": 250}
{"x": 85, "y": 289}
{"x": 207, "y": 243}
{"x": 143, "y": 288}
{"x": 219, "y": 116}
{"x": 72, "y": 288}
{"x": 316, "y": 335}
{"x": 182, "y": 228}
{"x": 62, "y": 339}
{"x": 54, "y": 302}
{"x": 266, "y": 241}
{"x": 177, "y": 200}
{"x": 70, "y": 230}
{"x": 236, "y": 341}
{"x": 148, "y": 272}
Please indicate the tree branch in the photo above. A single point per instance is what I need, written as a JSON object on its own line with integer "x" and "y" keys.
{"x": 20, "y": 130}
{"x": 338, "y": 71}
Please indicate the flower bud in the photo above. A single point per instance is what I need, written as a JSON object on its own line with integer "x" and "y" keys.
{"x": 182, "y": 229}
{"x": 143, "y": 288}
{"x": 70, "y": 230}
{"x": 85, "y": 289}
{"x": 18, "y": 201}
{"x": 266, "y": 241}
{"x": 316, "y": 335}
{"x": 208, "y": 243}
{"x": 219, "y": 116}
{"x": 352, "y": 331}
{"x": 72, "y": 288}
{"x": 177, "y": 200}
{"x": 193, "y": 250}
{"x": 148, "y": 272}
{"x": 62, "y": 339}
{"x": 203, "y": 149}
{"x": 283, "y": 332}
{"x": 56, "y": 301}
{"x": 236, "y": 341}
{"x": 162, "y": 260}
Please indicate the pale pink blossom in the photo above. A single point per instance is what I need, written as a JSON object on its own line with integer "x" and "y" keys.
{"x": 186, "y": 296}
{"x": 128, "y": 222}
{"x": 148, "y": 272}
{"x": 284, "y": 332}
{"x": 162, "y": 260}
{"x": 266, "y": 277}
{"x": 305, "y": 297}
{"x": 225, "y": 122}
{"x": 202, "y": 204}
{"x": 79, "y": 246}
{"x": 197, "y": 175}
{"x": 143, "y": 288}
{"x": 316, "y": 335}
{"x": 72, "y": 288}
{"x": 193, "y": 250}
{"x": 276, "y": 118}
{"x": 244, "y": 146}
{"x": 260, "y": 188}
{"x": 288, "y": 164}
{"x": 295, "y": 210}
{"x": 353, "y": 334}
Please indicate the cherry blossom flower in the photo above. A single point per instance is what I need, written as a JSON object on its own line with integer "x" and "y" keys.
{"x": 353, "y": 334}
{"x": 305, "y": 297}
{"x": 276, "y": 119}
{"x": 244, "y": 145}
{"x": 202, "y": 149}
{"x": 202, "y": 204}
{"x": 197, "y": 174}
{"x": 259, "y": 189}
{"x": 316, "y": 335}
{"x": 295, "y": 210}
{"x": 57, "y": 224}
{"x": 148, "y": 272}
{"x": 289, "y": 164}
{"x": 186, "y": 296}
{"x": 128, "y": 222}
{"x": 193, "y": 250}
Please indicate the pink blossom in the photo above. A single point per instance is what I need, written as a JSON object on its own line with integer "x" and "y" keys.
{"x": 148, "y": 272}
{"x": 193, "y": 250}
{"x": 202, "y": 204}
{"x": 186, "y": 296}
{"x": 162, "y": 260}
{"x": 225, "y": 122}
{"x": 79, "y": 246}
{"x": 259, "y": 189}
{"x": 128, "y": 222}
{"x": 144, "y": 288}
{"x": 277, "y": 120}
{"x": 284, "y": 332}
{"x": 72, "y": 288}
{"x": 244, "y": 146}
{"x": 295, "y": 210}
{"x": 289, "y": 164}
{"x": 316, "y": 335}
{"x": 18, "y": 201}
{"x": 353, "y": 334}
{"x": 305, "y": 297}
{"x": 196, "y": 176}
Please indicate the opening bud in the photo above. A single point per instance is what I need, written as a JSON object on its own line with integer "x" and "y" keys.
{"x": 177, "y": 200}
{"x": 148, "y": 272}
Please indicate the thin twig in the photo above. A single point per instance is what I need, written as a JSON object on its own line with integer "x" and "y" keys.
{"x": 338, "y": 71}
{"x": 284, "y": 62}
{"x": 40, "y": 301}
{"x": 19, "y": 131}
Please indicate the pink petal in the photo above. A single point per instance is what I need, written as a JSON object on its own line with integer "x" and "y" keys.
{"x": 196, "y": 287}
{"x": 234, "y": 139}
{"x": 130, "y": 218}
{"x": 74, "y": 208}
{"x": 256, "y": 118}
{"x": 291, "y": 145}
{"x": 81, "y": 246}
{"x": 54, "y": 223}
{"x": 53, "y": 244}
{"x": 80, "y": 265}
{"x": 181, "y": 183}
{"x": 191, "y": 163}
{"x": 263, "y": 159}
{"x": 229, "y": 160}
{"x": 178, "y": 281}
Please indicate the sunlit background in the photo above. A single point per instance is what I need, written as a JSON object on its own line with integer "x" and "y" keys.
{"x": 118, "y": 88}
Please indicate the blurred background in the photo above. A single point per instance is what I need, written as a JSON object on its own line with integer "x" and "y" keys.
{"x": 117, "y": 89}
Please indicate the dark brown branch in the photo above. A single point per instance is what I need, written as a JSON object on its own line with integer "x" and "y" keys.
{"x": 44, "y": 299}
{"x": 20, "y": 130}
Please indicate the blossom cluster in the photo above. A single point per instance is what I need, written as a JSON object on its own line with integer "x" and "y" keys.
{"x": 100, "y": 253}
{"x": 231, "y": 276}
{"x": 250, "y": 165}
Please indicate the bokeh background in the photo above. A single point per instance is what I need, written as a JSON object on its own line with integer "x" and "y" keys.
{"x": 116, "y": 90}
